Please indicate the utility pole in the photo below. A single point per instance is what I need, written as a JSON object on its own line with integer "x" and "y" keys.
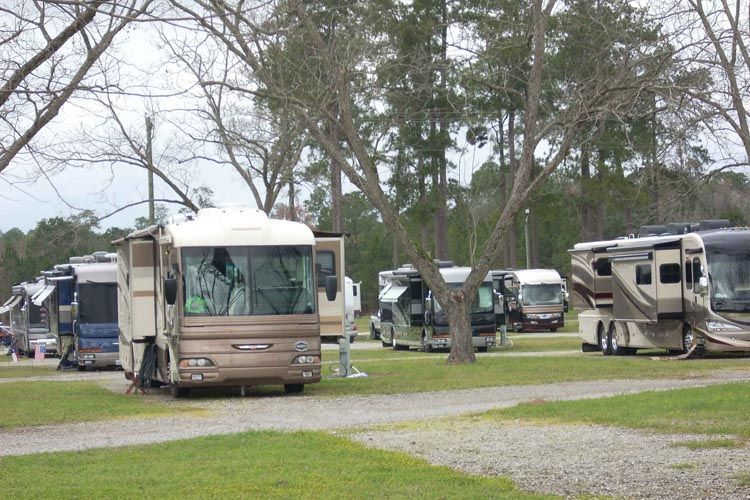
{"x": 526, "y": 235}
{"x": 150, "y": 168}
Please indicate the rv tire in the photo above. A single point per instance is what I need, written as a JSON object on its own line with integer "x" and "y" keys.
{"x": 688, "y": 337}
{"x": 603, "y": 339}
{"x": 614, "y": 346}
{"x": 179, "y": 392}
{"x": 553, "y": 330}
{"x": 373, "y": 334}
{"x": 385, "y": 344}
{"x": 482, "y": 349}
{"x": 294, "y": 388}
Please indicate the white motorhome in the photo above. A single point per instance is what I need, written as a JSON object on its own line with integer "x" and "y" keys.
{"x": 681, "y": 292}
{"x": 534, "y": 298}
{"x": 353, "y": 305}
{"x": 225, "y": 298}
{"x": 29, "y": 321}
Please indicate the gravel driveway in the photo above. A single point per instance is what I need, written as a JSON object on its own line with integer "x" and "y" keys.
{"x": 562, "y": 459}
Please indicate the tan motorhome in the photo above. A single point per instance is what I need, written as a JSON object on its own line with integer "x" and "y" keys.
{"x": 686, "y": 292}
{"x": 329, "y": 261}
{"x": 225, "y": 298}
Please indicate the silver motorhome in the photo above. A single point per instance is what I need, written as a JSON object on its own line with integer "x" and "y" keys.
{"x": 681, "y": 292}
{"x": 30, "y": 321}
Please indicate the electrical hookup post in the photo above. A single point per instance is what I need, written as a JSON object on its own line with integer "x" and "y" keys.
{"x": 345, "y": 368}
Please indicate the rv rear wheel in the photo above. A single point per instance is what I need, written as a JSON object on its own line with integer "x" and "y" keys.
{"x": 615, "y": 348}
{"x": 603, "y": 341}
{"x": 294, "y": 388}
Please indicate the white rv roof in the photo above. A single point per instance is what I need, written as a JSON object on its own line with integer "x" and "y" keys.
{"x": 100, "y": 272}
{"x": 627, "y": 242}
{"x": 537, "y": 276}
{"x": 237, "y": 226}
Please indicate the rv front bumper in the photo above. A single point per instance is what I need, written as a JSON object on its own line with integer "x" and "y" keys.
{"x": 476, "y": 341}
{"x": 217, "y": 376}
{"x": 98, "y": 359}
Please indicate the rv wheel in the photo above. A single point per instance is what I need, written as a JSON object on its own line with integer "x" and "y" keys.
{"x": 688, "y": 337}
{"x": 373, "y": 335}
{"x": 385, "y": 344}
{"x": 615, "y": 348}
{"x": 179, "y": 392}
{"x": 294, "y": 388}
{"x": 604, "y": 342}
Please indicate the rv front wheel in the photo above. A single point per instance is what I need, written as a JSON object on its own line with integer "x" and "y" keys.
{"x": 179, "y": 392}
{"x": 688, "y": 338}
{"x": 294, "y": 388}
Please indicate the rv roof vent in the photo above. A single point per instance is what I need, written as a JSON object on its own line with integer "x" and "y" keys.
{"x": 100, "y": 256}
{"x": 652, "y": 230}
{"x": 76, "y": 260}
{"x": 706, "y": 225}
{"x": 444, "y": 263}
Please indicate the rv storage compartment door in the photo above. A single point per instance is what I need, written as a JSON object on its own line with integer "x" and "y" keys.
{"x": 634, "y": 287}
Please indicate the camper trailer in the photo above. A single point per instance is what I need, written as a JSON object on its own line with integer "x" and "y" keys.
{"x": 329, "y": 261}
{"x": 411, "y": 317}
{"x": 679, "y": 291}
{"x": 534, "y": 298}
{"x": 224, "y": 298}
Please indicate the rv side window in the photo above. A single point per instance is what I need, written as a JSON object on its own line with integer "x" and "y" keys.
{"x": 643, "y": 274}
{"x": 325, "y": 266}
{"x": 669, "y": 273}
{"x": 603, "y": 267}
{"x": 688, "y": 275}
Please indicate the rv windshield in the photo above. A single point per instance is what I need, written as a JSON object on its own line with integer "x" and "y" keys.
{"x": 482, "y": 302}
{"x": 729, "y": 276}
{"x": 97, "y": 303}
{"x": 248, "y": 281}
{"x": 544, "y": 294}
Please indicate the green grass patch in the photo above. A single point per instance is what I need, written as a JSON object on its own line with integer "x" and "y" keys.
{"x": 718, "y": 409}
{"x": 247, "y": 465}
{"x": 743, "y": 479}
{"x": 8, "y": 370}
{"x": 42, "y": 403}
{"x": 423, "y": 372}
{"x": 711, "y": 444}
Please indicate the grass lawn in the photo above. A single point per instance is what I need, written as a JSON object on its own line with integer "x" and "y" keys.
{"x": 8, "y": 370}
{"x": 248, "y": 465}
{"x": 719, "y": 409}
{"x": 42, "y": 403}
{"x": 423, "y": 372}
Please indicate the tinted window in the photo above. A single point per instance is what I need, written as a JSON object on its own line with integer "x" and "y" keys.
{"x": 688, "y": 275}
{"x": 325, "y": 266}
{"x": 603, "y": 267}
{"x": 643, "y": 274}
{"x": 669, "y": 273}
{"x": 97, "y": 303}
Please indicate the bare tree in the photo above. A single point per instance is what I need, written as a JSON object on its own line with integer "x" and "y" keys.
{"x": 278, "y": 37}
{"x": 46, "y": 54}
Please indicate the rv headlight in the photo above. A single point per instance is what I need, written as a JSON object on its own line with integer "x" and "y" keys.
{"x": 306, "y": 360}
{"x": 719, "y": 326}
{"x": 195, "y": 363}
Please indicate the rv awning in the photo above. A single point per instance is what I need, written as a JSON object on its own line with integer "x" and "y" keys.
{"x": 4, "y": 309}
{"x": 392, "y": 294}
{"x": 42, "y": 295}
{"x": 12, "y": 302}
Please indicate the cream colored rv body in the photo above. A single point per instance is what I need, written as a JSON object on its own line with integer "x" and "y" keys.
{"x": 329, "y": 261}
{"x": 674, "y": 292}
{"x": 246, "y": 304}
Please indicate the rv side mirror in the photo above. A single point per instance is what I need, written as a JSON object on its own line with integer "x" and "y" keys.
{"x": 170, "y": 291}
{"x": 702, "y": 286}
{"x": 331, "y": 287}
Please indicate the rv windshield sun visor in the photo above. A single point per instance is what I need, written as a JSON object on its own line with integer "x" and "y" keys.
{"x": 42, "y": 295}
{"x": 392, "y": 294}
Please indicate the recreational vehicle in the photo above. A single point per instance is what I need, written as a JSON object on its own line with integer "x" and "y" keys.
{"x": 94, "y": 310}
{"x": 534, "y": 298}
{"x": 55, "y": 297}
{"x": 29, "y": 321}
{"x": 353, "y": 305}
{"x": 411, "y": 317}
{"x": 681, "y": 292}
{"x": 329, "y": 261}
{"x": 225, "y": 298}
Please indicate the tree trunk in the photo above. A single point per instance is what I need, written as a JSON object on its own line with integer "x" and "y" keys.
{"x": 458, "y": 311}
{"x": 511, "y": 242}
{"x": 587, "y": 229}
{"x": 336, "y": 195}
{"x": 292, "y": 207}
